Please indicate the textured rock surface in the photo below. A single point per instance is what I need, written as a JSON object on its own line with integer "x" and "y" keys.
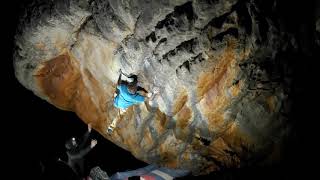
{"x": 224, "y": 86}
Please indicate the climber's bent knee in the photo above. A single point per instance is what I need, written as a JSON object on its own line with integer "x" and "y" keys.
{"x": 122, "y": 111}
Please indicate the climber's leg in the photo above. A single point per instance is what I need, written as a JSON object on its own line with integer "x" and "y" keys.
{"x": 115, "y": 121}
{"x": 155, "y": 92}
{"x": 112, "y": 125}
{"x": 152, "y": 96}
{"x": 122, "y": 111}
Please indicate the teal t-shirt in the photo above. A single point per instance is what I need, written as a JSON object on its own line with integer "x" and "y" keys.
{"x": 125, "y": 99}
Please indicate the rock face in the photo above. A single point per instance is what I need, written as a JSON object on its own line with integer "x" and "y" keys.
{"x": 224, "y": 86}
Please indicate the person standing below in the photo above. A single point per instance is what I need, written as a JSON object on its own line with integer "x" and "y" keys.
{"x": 76, "y": 151}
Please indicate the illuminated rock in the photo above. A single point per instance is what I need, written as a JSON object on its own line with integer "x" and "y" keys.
{"x": 223, "y": 95}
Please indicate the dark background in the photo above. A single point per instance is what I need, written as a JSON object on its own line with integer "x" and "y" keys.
{"x": 34, "y": 131}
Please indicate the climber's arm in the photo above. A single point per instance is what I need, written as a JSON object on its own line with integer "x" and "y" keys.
{"x": 85, "y": 136}
{"x": 84, "y": 139}
{"x": 82, "y": 152}
{"x": 119, "y": 79}
{"x": 79, "y": 154}
{"x": 137, "y": 98}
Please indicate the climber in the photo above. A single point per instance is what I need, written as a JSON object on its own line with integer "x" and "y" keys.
{"x": 128, "y": 93}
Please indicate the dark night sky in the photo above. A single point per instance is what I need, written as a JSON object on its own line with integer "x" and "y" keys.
{"x": 35, "y": 131}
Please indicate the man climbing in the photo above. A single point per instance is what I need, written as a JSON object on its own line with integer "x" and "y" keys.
{"x": 128, "y": 94}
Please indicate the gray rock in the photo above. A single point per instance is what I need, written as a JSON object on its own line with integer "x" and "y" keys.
{"x": 223, "y": 86}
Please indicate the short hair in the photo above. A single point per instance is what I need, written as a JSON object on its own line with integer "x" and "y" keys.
{"x": 132, "y": 88}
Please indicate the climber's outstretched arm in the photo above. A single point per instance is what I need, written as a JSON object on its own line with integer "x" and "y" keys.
{"x": 119, "y": 79}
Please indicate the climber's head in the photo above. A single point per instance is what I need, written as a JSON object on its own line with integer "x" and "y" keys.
{"x": 132, "y": 88}
{"x": 71, "y": 143}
